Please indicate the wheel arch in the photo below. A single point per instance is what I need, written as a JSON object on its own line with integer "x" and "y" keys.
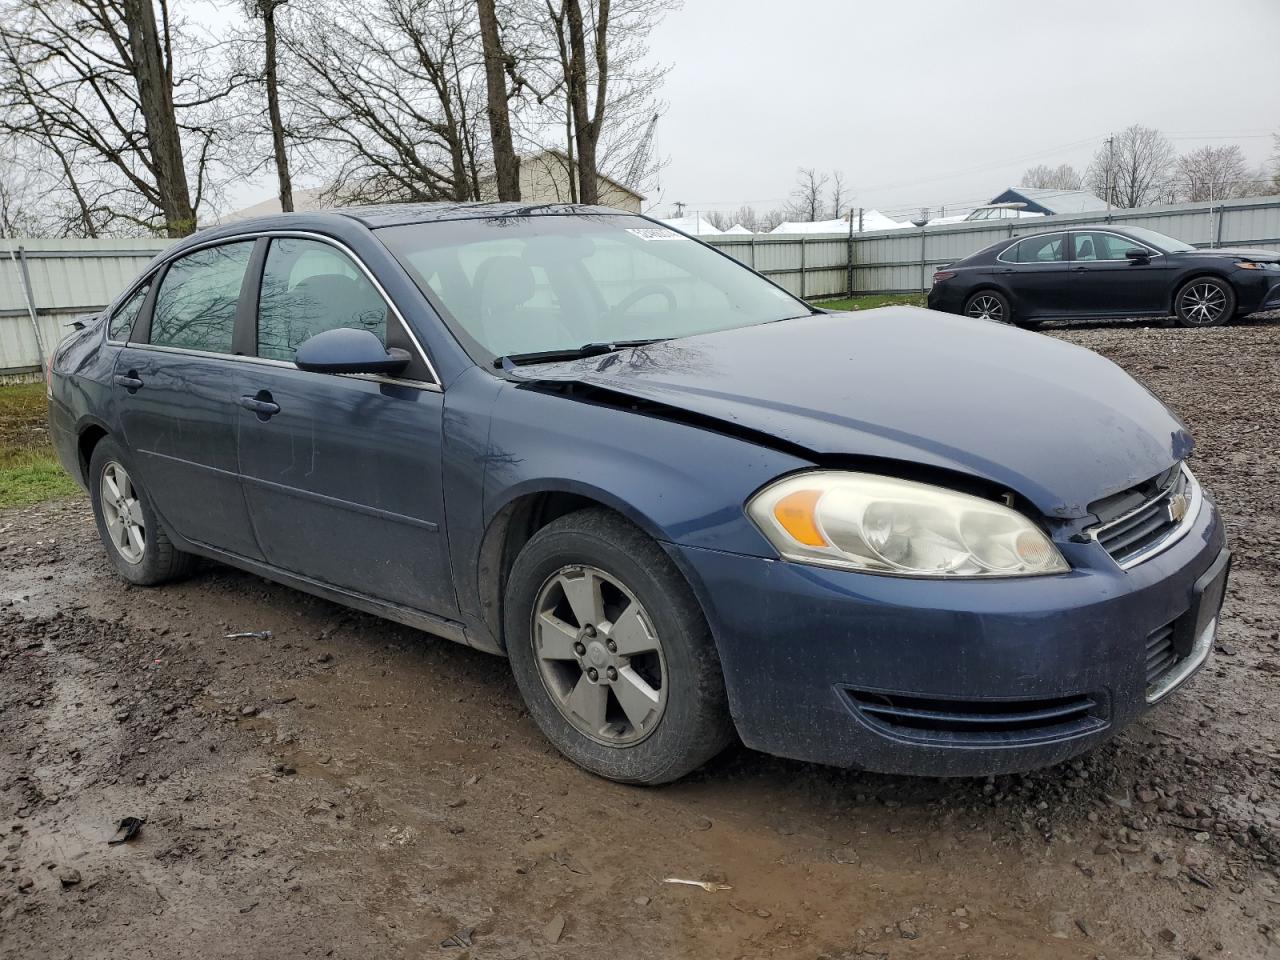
{"x": 1191, "y": 276}
{"x": 89, "y": 434}
{"x": 521, "y": 515}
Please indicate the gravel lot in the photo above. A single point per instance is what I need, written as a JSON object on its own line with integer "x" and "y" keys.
{"x": 352, "y": 789}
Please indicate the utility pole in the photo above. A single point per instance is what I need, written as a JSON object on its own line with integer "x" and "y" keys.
{"x": 1111, "y": 153}
{"x": 679, "y": 208}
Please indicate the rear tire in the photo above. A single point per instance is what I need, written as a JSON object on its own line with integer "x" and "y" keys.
{"x": 1204, "y": 302}
{"x": 135, "y": 542}
{"x": 989, "y": 305}
{"x": 612, "y": 653}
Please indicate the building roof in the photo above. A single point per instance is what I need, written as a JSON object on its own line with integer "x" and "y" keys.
{"x": 563, "y": 157}
{"x": 304, "y": 201}
{"x": 1052, "y": 201}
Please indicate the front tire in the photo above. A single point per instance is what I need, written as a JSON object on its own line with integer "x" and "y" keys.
{"x": 136, "y": 543}
{"x": 1204, "y": 302}
{"x": 612, "y": 653}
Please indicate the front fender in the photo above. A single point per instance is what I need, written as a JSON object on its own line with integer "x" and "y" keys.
{"x": 679, "y": 483}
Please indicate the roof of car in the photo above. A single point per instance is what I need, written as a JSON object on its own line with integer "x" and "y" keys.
{"x": 396, "y": 214}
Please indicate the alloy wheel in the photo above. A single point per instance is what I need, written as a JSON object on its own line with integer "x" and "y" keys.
{"x": 122, "y": 512}
{"x": 986, "y": 307}
{"x": 599, "y": 656}
{"x": 1203, "y": 304}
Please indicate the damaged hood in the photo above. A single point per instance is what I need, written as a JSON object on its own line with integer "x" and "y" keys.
{"x": 1057, "y": 423}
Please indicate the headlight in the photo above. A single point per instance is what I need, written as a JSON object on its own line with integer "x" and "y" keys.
{"x": 859, "y": 521}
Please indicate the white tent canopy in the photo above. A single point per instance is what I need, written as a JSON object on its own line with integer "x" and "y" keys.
{"x": 697, "y": 225}
{"x": 871, "y": 220}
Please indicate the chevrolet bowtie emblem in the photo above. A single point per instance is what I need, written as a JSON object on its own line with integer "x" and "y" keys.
{"x": 1179, "y": 504}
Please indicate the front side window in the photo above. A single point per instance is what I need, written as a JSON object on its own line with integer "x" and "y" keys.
{"x": 1103, "y": 246}
{"x": 1048, "y": 249}
{"x": 196, "y": 303}
{"x": 514, "y": 285}
{"x": 121, "y": 324}
{"x": 308, "y": 287}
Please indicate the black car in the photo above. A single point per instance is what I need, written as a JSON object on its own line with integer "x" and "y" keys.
{"x": 1104, "y": 272}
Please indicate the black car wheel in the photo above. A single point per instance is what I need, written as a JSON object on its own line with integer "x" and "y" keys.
{"x": 611, "y": 651}
{"x": 136, "y": 544}
{"x": 989, "y": 305}
{"x": 1205, "y": 302}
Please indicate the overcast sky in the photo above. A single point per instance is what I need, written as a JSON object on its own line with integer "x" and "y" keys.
{"x": 924, "y": 103}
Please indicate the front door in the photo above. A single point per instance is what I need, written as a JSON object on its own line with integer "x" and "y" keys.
{"x": 1035, "y": 271}
{"x": 175, "y": 390}
{"x": 342, "y": 473}
{"x": 1106, "y": 281}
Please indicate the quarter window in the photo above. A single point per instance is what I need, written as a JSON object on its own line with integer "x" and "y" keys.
{"x": 196, "y": 304}
{"x": 1047, "y": 249}
{"x": 121, "y": 324}
{"x": 309, "y": 287}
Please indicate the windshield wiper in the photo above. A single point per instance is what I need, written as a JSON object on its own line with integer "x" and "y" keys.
{"x": 572, "y": 353}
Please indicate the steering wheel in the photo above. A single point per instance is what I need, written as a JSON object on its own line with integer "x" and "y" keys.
{"x": 641, "y": 293}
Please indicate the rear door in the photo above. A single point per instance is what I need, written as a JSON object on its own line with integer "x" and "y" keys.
{"x": 1105, "y": 281}
{"x": 1035, "y": 271}
{"x": 175, "y": 388}
{"x": 343, "y": 477}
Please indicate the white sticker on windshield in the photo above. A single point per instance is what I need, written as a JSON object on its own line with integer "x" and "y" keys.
{"x": 653, "y": 233}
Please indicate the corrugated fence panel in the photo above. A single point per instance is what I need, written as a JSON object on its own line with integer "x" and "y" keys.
{"x": 68, "y": 277}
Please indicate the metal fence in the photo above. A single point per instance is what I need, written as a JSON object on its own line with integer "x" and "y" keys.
{"x": 903, "y": 261}
{"x": 43, "y": 283}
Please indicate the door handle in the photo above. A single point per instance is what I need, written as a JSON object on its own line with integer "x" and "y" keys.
{"x": 1079, "y": 269}
{"x": 131, "y": 382}
{"x": 262, "y": 405}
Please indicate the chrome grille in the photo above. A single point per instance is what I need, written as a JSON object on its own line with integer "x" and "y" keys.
{"x": 1165, "y": 507}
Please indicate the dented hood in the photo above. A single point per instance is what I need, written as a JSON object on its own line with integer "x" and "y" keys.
{"x": 1057, "y": 423}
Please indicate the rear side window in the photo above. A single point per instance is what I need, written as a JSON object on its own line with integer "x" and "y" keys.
{"x": 196, "y": 304}
{"x": 121, "y": 324}
{"x": 1050, "y": 249}
{"x": 309, "y": 287}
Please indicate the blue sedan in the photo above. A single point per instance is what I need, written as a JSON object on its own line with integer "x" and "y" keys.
{"x": 685, "y": 505}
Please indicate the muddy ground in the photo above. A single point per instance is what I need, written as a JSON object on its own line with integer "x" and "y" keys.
{"x": 353, "y": 789}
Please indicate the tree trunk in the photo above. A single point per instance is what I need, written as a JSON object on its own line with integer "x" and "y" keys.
{"x": 588, "y": 185}
{"x": 505, "y": 163}
{"x": 155, "y": 96}
{"x": 268, "y": 8}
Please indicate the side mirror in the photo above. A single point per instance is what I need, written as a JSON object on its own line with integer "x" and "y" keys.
{"x": 346, "y": 350}
{"x": 1138, "y": 255}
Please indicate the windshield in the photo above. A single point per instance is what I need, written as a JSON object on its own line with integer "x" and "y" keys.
{"x": 1159, "y": 240}
{"x": 519, "y": 285}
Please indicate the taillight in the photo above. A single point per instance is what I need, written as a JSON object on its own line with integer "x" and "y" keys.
{"x": 941, "y": 275}
{"x": 48, "y": 373}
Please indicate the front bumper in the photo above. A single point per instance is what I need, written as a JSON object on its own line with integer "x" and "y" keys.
{"x": 925, "y": 677}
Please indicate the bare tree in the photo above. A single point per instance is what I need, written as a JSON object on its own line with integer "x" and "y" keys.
{"x": 1213, "y": 173}
{"x": 1136, "y": 169}
{"x": 129, "y": 95}
{"x": 839, "y": 195}
{"x": 388, "y": 91}
{"x": 559, "y": 86}
{"x": 807, "y": 195}
{"x": 265, "y": 10}
{"x": 1043, "y": 177}
{"x": 506, "y": 164}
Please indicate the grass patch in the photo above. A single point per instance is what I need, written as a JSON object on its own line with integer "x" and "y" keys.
{"x": 873, "y": 300}
{"x": 29, "y": 469}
